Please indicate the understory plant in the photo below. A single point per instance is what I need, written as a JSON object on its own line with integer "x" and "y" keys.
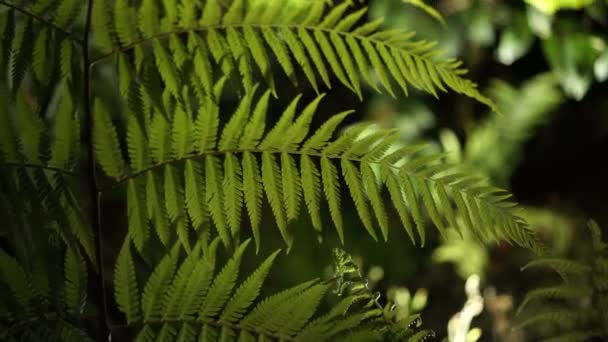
{"x": 147, "y": 152}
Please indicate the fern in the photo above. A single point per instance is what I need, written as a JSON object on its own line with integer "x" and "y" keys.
{"x": 579, "y": 322}
{"x": 417, "y": 183}
{"x": 224, "y": 310}
{"x": 33, "y": 314}
{"x": 185, "y": 167}
{"x": 314, "y": 35}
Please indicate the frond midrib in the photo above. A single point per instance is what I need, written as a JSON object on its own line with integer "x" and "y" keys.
{"x": 43, "y": 21}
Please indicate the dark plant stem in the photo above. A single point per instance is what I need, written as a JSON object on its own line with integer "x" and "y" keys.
{"x": 104, "y": 332}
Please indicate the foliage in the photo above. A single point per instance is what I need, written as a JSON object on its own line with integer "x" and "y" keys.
{"x": 578, "y": 304}
{"x": 135, "y": 135}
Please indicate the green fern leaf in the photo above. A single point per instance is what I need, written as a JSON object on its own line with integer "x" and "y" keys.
{"x": 300, "y": 128}
{"x": 212, "y": 13}
{"x": 202, "y": 65}
{"x": 413, "y": 205}
{"x": 222, "y": 285}
{"x": 324, "y": 133}
{"x": 100, "y": 26}
{"x": 106, "y": 142}
{"x": 155, "y": 208}
{"x": 146, "y": 334}
{"x": 240, "y": 54}
{"x": 331, "y": 187}
{"x": 265, "y": 310}
{"x": 299, "y": 53}
{"x": 65, "y": 58}
{"x": 136, "y": 143}
{"x": 207, "y": 125}
{"x": 361, "y": 61}
{"x": 194, "y": 193}
{"x": 355, "y": 186}
{"x": 75, "y": 281}
{"x": 220, "y": 50}
{"x": 315, "y": 55}
{"x": 346, "y": 60}
{"x": 378, "y": 66}
{"x": 254, "y": 130}
{"x": 22, "y": 53}
{"x": 253, "y": 193}
{"x": 373, "y": 191}
{"x": 167, "y": 68}
{"x": 276, "y": 136}
{"x": 182, "y": 137}
{"x": 7, "y": 24}
{"x": 271, "y": 180}
{"x": 258, "y": 52}
{"x": 312, "y": 190}
{"x": 215, "y": 196}
{"x": 124, "y": 17}
{"x": 280, "y": 52}
{"x": 429, "y": 204}
{"x": 178, "y": 51}
{"x": 67, "y": 12}
{"x": 156, "y": 286}
{"x": 234, "y": 128}
{"x": 137, "y": 223}
{"x": 290, "y": 317}
{"x": 31, "y": 129}
{"x": 247, "y": 293}
{"x": 173, "y": 194}
{"x": 125, "y": 284}
{"x": 334, "y": 61}
{"x": 173, "y": 299}
{"x": 233, "y": 192}
{"x": 40, "y": 64}
{"x": 149, "y": 24}
{"x": 292, "y": 190}
{"x": 186, "y": 334}
{"x": 64, "y": 146}
{"x": 198, "y": 283}
{"x": 79, "y": 227}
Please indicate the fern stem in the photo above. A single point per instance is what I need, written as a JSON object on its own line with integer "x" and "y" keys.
{"x": 94, "y": 193}
{"x": 39, "y": 166}
{"x": 44, "y": 21}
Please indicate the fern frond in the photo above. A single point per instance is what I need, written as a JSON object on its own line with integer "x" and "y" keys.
{"x": 247, "y": 293}
{"x": 66, "y": 133}
{"x": 582, "y": 305}
{"x": 75, "y": 281}
{"x": 106, "y": 142}
{"x": 298, "y": 37}
{"x": 420, "y": 184}
{"x": 125, "y": 284}
{"x": 136, "y": 213}
{"x": 155, "y": 288}
{"x": 219, "y": 292}
{"x": 554, "y": 292}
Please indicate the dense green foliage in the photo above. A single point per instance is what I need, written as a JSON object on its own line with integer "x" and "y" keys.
{"x": 169, "y": 109}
